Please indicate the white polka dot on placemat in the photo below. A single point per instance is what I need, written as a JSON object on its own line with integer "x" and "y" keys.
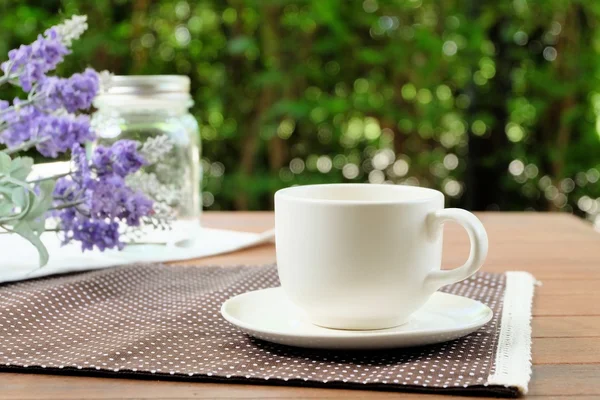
{"x": 166, "y": 321}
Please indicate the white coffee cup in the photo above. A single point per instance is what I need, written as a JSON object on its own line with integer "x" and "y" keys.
{"x": 363, "y": 256}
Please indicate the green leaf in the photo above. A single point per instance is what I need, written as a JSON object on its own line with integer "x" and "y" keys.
{"x": 296, "y": 109}
{"x": 20, "y": 167}
{"x": 372, "y": 56}
{"x": 6, "y": 189}
{"x": 24, "y": 230}
{"x": 6, "y": 208}
{"x": 20, "y": 197}
{"x": 240, "y": 44}
{"x": 42, "y": 202}
{"x": 38, "y": 225}
{"x": 4, "y": 162}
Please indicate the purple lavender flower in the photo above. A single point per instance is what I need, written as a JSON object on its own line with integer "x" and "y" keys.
{"x": 22, "y": 123}
{"x": 66, "y": 189}
{"x": 96, "y": 222}
{"x": 122, "y": 158}
{"x": 58, "y": 134}
{"x": 102, "y": 160}
{"x": 109, "y": 195}
{"x": 81, "y": 166}
{"x": 137, "y": 205}
{"x": 92, "y": 232}
{"x": 112, "y": 198}
{"x": 104, "y": 199}
{"x": 74, "y": 93}
{"x": 67, "y": 216}
{"x": 126, "y": 158}
{"x": 55, "y": 133}
{"x": 31, "y": 62}
{"x": 50, "y": 48}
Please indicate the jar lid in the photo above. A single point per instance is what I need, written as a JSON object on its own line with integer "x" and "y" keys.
{"x": 146, "y": 84}
{"x": 147, "y": 92}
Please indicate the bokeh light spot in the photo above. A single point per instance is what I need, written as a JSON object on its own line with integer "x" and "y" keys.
{"x": 376, "y": 176}
{"x": 424, "y": 96}
{"x": 560, "y": 200}
{"x": 182, "y": 9}
{"x": 521, "y": 38}
{"x": 229, "y": 15}
{"x": 479, "y": 78}
{"x": 555, "y": 28}
{"x": 339, "y": 161}
{"x": 443, "y": 92}
{"x": 516, "y": 167}
{"x": 551, "y": 192}
{"x": 372, "y": 129}
{"x": 361, "y": 85}
{"x": 370, "y": 6}
{"x": 550, "y": 53}
{"x": 286, "y": 128}
{"x": 567, "y": 185}
{"x": 452, "y": 188}
{"x": 182, "y": 35}
{"x": 514, "y": 132}
{"x": 409, "y": 91}
{"x": 350, "y": 171}
{"x": 531, "y": 171}
{"x": 412, "y": 181}
{"x": 297, "y": 165}
{"x": 478, "y": 127}
{"x": 585, "y": 203}
{"x": 217, "y": 169}
{"x": 463, "y": 101}
{"x": 208, "y": 199}
{"x": 453, "y": 22}
{"x": 381, "y": 160}
{"x": 449, "y": 48}
{"x": 324, "y": 164}
{"x": 147, "y": 40}
{"x": 593, "y": 175}
{"x": 451, "y": 161}
{"x": 355, "y": 128}
{"x": 400, "y": 168}
{"x": 544, "y": 182}
{"x": 286, "y": 175}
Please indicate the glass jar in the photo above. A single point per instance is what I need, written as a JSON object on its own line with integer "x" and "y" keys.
{"x": 144, "y": 108}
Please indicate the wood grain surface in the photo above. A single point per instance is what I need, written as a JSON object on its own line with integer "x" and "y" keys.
{"x": 558, "y": 249}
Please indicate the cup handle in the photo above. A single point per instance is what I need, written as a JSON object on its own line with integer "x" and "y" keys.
{"x": 479, "y": 246}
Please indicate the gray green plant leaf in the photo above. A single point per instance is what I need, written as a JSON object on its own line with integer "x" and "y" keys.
{"x": 24, "y": 229}
{"x": 41, "y": 202}
{"x": 22, "y": 211}
{"x": 5, "y": 162}
{"x": 20, "y": 168}
{"x": 20, "y": 197}
{"x": 6, "y": 207}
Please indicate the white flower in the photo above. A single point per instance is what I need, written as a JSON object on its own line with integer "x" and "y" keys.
{"x": 71, "y": 29}
{"x": 154, "y": 149}
{"x": 105, "y": 80}
{"x": 149, "y": 184}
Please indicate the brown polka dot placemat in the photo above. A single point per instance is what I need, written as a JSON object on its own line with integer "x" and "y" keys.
{"x": 156, "y": 321}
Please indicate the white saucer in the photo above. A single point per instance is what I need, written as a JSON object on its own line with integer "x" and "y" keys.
{"x": 268, "y": 315}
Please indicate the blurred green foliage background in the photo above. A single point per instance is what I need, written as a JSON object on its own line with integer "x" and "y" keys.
{"x": 496, "y": 103}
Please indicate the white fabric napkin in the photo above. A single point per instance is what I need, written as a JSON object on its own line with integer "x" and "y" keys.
{"x": 19, "y": 259}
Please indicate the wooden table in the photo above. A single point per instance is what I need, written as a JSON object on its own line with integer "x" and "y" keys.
{"x": 560, "y": 250}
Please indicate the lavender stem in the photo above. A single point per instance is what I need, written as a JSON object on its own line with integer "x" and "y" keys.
{"x": 67, "y": 205}
{"x": 58, "y": 176}
{"x": 24, "y": 146}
